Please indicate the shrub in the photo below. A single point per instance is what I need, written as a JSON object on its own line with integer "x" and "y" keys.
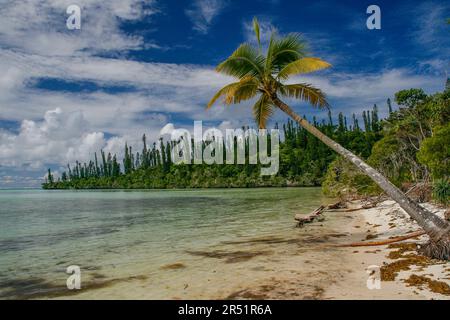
{"x": 441, "y": 191}
{"x": 343, "y": 179}
{"x": 435, "y": 152}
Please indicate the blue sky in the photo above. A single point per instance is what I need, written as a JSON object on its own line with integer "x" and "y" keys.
{"x": 137, "y": 65}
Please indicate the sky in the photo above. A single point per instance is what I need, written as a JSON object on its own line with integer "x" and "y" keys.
{"x": 137, "y": 65}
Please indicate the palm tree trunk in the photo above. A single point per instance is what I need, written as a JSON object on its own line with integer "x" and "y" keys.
{"x": 437, "y": 229}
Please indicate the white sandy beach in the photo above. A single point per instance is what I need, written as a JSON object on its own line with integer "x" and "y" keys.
{"x": 386, "y": 220}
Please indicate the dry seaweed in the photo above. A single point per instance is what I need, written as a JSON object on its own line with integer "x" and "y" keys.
{"x": 433, "y": 285}
{"x": 371, "y": 236}
{"x": 390, "y": 271}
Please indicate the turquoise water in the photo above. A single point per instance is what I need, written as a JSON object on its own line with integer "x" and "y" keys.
{"x": 123, "y": 239}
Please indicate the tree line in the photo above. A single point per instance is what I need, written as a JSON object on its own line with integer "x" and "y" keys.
{"x": 303, "y": 161}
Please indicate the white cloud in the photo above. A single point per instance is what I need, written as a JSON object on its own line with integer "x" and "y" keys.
{"x": 158, "y": 89}
{"x": 18, "y": 67}
{"x": 354, "y": 92}
{"x": 60, "y": 138}
{"x": 431, "y": 29}
{"x": 38, "y": 26}
{"x": 429, "y": 35}
{"x": 366, "y": 86}
{"x": 203, "y": 13}
{"x": 435, "y": 66}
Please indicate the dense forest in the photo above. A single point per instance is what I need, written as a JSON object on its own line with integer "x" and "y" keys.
{"x": 410, "y": 145}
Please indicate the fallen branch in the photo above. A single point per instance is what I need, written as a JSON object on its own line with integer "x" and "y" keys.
{"x": 368, "y": 206}
{"x": 337, "y": 205}
{"x": 315, "y": 215}
{"x": 411, "y": 189}
{"x": 383, "y": 242}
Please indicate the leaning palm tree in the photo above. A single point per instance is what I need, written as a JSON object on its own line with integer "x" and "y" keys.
{"x": 263, "y": 76}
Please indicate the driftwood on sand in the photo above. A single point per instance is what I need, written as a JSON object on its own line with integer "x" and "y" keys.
{"x": 337, "y": 205}
{"x": 384, "y": 242}
{"x": 316, "y": 215}
{"x": 313, "y": 216}
{"x": 341, "y": 206}
{"x": 369, "y": 203}
{"x": 367, "y": 206}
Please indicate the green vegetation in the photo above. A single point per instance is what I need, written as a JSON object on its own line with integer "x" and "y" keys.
{"x": 342, "y": 180}
{"x": 414, "y": 148}
{"x": 441, "y": 191}
{"x": 303, "y": 162}
{"x": 434, "y": 153}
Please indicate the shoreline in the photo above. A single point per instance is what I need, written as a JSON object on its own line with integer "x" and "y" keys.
{"x": 174, "y": 188}
{"x": 307, "y": 265}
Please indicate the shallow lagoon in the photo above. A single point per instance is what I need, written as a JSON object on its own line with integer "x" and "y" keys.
{"x": 151, "y": 244}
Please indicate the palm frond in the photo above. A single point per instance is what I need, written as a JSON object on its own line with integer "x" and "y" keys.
{"x": 303, "y": 65}
{"x": 262, "y": 110}
{"x": 286, "y": 50}
{"x": 245, "y": 61}
{"x": 236, "y": 91}
{"x": 270, "y": 51}
{"x": 305, "y": 92}
{"x": 244, "y": 91}
{"x": 257, "y": 31}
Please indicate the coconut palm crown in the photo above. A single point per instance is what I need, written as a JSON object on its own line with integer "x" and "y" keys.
{"x": 265, "y": 75}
